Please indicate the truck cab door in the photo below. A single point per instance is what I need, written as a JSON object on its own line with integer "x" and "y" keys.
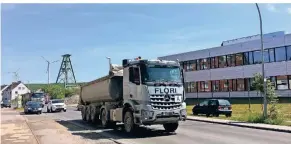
{"x": 134, "y": 81}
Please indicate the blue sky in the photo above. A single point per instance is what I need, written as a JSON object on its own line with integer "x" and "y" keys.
{"x": 92, "y": 32}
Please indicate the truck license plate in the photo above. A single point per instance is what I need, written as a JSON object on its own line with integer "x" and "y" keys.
{"x": 178, "y": 98}
{"x": 167, "y": 113}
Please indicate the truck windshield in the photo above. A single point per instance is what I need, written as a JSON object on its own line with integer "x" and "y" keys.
{"x": 37, "y": 95}
{"x": 163, "y": 74}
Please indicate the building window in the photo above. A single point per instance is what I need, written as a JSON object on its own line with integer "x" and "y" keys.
{"x": 223, "y": 85}
{"x": 185, "y": 65}
{"x": 289, "y": 82}
{"x": 273, "y": 81}
{"x": 215, "y": 86}
{"x": 239, "y": 59}
{"x": 288, "y": 52}
{"x": 230, "y": 60}
{"x": 282, "y": 83}
{"x": 207, "y": 86}
{"x": 19, "y": 88}
{"x": 272, "y": 55}
{"x": 204, "y": 64}
{"x": 230, "y": 85}
{"x": 251, "y": 81}
{"x": 192, "y": 65}
{"x": 266, "y": 56}
{"x": 280, "y": 54}
{"x": 214, "y": 62}
{"x": 240, "y": 84}
{"x": 191, "y": 87}
{"x": 257, "y": 57}
{"x": 201, "y": 86}
{"x": 246, "y": 58}
{"x": 16, "y": 92}
{"x": 222, "y": 62}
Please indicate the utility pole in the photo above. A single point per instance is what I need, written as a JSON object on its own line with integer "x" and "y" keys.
{"x": 48, "y": 69}
{"x": 263, "y": 63}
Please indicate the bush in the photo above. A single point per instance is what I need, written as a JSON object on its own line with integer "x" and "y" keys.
{"x": 72, "y": 91}
{"x": 255, "y": 118}
{"x": 55, "y": 91}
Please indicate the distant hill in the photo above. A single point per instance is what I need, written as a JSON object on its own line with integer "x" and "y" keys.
{"x": 36, "y": 86}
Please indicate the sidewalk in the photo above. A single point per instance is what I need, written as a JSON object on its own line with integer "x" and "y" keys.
{"x": 14, "y": 128}
{"x": 41, "y": 129}
{"x": 242, "y": 124}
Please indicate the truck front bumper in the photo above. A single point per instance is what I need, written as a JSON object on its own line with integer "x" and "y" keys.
{"x": 149, "y": 117}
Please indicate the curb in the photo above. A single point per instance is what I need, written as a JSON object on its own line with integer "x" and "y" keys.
{"x": 239, "y": 125}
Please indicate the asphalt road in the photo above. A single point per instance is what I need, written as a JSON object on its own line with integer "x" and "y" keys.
{"x": 189, "y": 132}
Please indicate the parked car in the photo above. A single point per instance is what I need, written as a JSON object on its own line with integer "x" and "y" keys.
{"x": 5, "y": 104}
{"x": 213, "y": 107}
{"x": 33, "y": 107}
{"x": 56, "y": 105}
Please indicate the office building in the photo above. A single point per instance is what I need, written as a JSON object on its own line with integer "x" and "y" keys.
{"x": 228, "y": 70}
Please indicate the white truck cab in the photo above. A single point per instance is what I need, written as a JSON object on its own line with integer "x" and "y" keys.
{"x": 56, "y": 105}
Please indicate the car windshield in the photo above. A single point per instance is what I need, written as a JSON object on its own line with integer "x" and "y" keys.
{"x": 224, "y": 102}
{"x": 33, "y": 104}
{"x": 37, "y": 95}
{"x": 58, "y": 101}
{"x": 156, "y": 73}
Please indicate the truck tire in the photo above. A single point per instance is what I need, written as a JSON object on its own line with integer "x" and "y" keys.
{"x": 83, "y": 113}
{"x": 171, "y": 127}
{"x": 103, "y": 117}
{"x": 105, "y": 122}
{"x": 128, "y": 121}
{"x": 93, "y": 115}
{"x": 88, "y": 113}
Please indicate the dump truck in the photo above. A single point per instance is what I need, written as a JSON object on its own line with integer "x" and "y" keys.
{"x": 140, "y": 92}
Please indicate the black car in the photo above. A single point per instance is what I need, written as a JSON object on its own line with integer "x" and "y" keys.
{"x": 5, "y": 104}
{"x": 213, "y": 107}
{"x": 33, "y": 107}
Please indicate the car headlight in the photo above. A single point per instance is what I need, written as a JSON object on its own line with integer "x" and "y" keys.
{"x": 29, "y": 108}
{"x": 39, "y": 108}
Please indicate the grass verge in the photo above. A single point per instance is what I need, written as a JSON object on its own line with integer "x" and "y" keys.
{"x": 241, "y": 112}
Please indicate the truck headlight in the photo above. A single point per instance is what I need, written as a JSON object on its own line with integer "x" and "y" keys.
{"x": 183, "y": 112}
{"x": 184, "y": 106}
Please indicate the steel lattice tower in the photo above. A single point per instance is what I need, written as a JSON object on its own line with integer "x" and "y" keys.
{"x": 66, "y": 73}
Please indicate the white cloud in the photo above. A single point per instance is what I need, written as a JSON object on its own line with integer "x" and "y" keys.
{"x": 289, "y": 10}
{"x": 271, "y": 8}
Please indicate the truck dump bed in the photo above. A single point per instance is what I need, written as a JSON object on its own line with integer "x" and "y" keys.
{"x": 105, "y": 89}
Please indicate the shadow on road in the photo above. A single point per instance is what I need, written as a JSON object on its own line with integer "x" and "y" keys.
{"x": 142, "y": 132}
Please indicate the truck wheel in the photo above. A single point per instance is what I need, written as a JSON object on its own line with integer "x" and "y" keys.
{"x": 128, "y": 121}
{"x": 103, "y": 118}
{"x": 171, "y": 127}
{"x": 93, "y": 115}
{"x": 83, "y": 113}
{"x": 88, "y": 114}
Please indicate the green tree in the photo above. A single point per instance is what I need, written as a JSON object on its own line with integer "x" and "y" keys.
{"x": 55, "y": 91}
{"x": 272, "y": 98}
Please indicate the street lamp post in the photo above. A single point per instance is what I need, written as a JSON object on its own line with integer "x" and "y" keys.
{"x": 263, "y": 63}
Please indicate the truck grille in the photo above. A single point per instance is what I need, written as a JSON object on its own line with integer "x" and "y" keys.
{"x": 163, "y": 102}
